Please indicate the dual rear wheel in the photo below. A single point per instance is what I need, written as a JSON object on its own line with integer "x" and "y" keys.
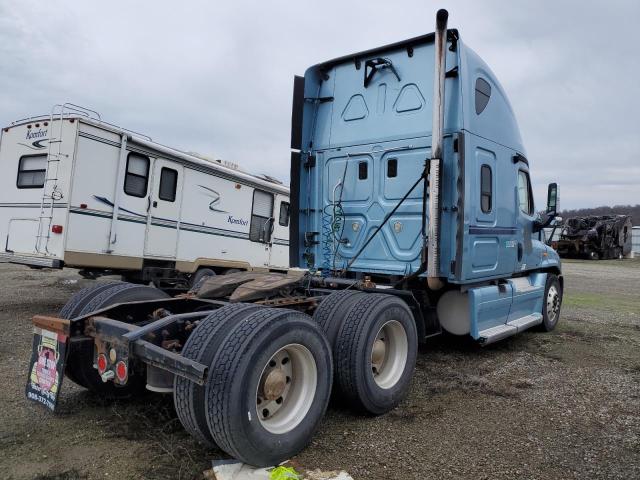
{"x": 271, "y": 371}
{"x": 374, "y": 342}
{"x": 268, "y": 384}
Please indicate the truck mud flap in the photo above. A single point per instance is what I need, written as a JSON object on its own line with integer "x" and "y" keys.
{"x": 46, "y": 368}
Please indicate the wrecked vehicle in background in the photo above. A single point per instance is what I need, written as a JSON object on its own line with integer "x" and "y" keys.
{"x": 595, "y": 237}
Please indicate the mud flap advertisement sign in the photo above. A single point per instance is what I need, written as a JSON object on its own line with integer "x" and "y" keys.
{"x": 46, "y": 367}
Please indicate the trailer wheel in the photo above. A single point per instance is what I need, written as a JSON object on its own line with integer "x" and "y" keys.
{"x": 332, "y": 310}
{"x": 552, "y": 303}
{"x": 201, "y": 346}
{"x": 199, "y": 277}
{"x": 269, "y": 386}
{"x": 375, "y": 353}
{"x": 80, "y": 358}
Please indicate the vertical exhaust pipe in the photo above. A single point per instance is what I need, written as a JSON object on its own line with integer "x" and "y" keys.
{"x": 433, "y": 258}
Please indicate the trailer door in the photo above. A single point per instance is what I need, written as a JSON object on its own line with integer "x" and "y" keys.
{"x": 165, "y": 199}
{"x": 262, "y": 223}
{"x": 280, "y": 237}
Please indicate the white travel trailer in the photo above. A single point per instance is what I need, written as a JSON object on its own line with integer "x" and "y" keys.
{"x": 77, "y": 191}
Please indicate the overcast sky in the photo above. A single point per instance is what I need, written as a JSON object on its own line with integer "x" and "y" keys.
{"x": 216, "y": 77}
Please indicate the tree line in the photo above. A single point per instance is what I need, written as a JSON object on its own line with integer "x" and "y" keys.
{"x": 632, "y": 210}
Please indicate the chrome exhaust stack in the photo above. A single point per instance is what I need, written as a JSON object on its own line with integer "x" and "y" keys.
{"x": 433, "y": 252}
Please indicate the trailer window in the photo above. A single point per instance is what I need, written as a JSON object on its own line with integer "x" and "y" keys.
{"x": 483, "y": 93}
{"x": 137, "y": 176}
{"x": 31, "y": 171}
{"x": 168, "y": 184}
{"x": 284, "y": 214}
{"x": 525, "y": 199}
{"x": 486, "y": 189}
{"x": 261, "y": 217}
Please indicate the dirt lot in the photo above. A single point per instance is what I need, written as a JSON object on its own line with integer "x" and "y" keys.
{"x": 561, "y": 405}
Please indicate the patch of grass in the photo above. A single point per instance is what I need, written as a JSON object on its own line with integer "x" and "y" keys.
{"x": 606, "y": 302}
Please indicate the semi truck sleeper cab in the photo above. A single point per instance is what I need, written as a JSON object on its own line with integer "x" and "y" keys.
{"x": 412, "y": 215}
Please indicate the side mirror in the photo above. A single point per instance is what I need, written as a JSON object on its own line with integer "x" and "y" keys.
{"x": 552, "y": 199}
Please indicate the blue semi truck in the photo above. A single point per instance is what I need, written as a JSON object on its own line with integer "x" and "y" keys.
{"x": 412, "y": 215}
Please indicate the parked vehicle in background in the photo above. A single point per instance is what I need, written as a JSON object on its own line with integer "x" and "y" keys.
{"x": 412, "y": 214}
{"x": 79, "y": 192}
{"x": 596, "y": 237}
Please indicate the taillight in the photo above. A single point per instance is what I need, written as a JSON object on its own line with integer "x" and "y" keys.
{"x": 56, "y": 228}
{"x": 102, "y": 363}
{"x": 121, "y": 371}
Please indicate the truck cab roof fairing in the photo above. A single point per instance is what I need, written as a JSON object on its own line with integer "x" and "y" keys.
{"x": 345, "y": 106}
{"x": 497, "y": 121}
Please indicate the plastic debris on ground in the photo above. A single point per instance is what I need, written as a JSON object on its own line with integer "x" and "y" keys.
{"x": 234, "y": 470}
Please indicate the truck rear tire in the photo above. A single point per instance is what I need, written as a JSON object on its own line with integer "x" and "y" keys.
{"x": 122, "y": 292}
{"x": 76, "y": 303}
{"x": 269, "y": 386}
{"x": 72, "y": 309}
{"x": 375, "y": 353}
{"x": 551, "y": 303}
{"x": 201, "y": 346}
{"x": 80, "y": 359}
{"x": 331, "y": 312}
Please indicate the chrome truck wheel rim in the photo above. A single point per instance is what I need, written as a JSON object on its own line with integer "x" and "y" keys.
{"x": 286, "y": 389}
{"x": 389, "y": 354}
{"x": 553, "y": 303}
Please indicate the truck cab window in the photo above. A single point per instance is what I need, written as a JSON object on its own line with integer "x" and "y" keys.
{"x": 362, "y": 171}
{"x": 483, "y": 93}
{"x": 525, "y": 199}
{"x": 31, "y": 171}
{"x": 168, "y": 184}
{"x": 284, "y": 214}
{"x": 392, "y": 167}
{"x": 261, "y": 217}
{"x": 137, "y": 175}
{"x": 486, "y": 189}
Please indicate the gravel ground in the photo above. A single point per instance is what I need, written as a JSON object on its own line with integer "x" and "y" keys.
{"x": 562, "y": 405}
